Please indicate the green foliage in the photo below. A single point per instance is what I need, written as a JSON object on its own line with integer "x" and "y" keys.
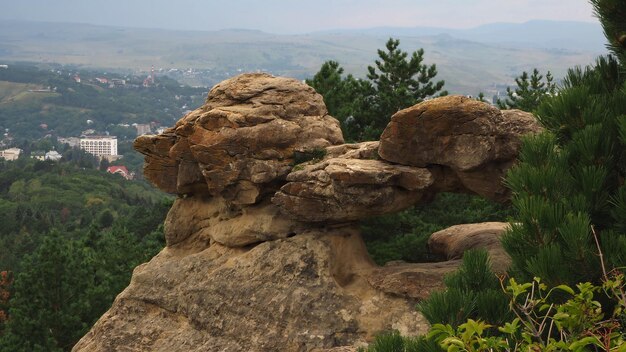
{"x": 472, "y": 292}
{"x": 569, "y": 181}
{"x": 612, "y": 14}
{"x": 345, "y": 97}
{"x": 530, "y": 91}
{"x": 46, "y": 314}
{"x": 364, "y": 107}
{"x": 71, "y": 237}
{"x": 394, "y": 342}
{"x": 577, "y": 324}
{"x": 400, "y": 82}
{"x": 404, "y": 235}
{"x": 66, "y": 284}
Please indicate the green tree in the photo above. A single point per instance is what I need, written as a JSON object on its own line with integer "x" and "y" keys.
{"x": 345, "y": 97}
{"x": 364, "y": 107}
{"x": 570, "y": 182}
{"x": 47, "y": 310}
{"x": 399, "y": 82}
{"x": 328, "y": 82}
{"x": 612, "y": 15}
{"x": 530, "y": 91}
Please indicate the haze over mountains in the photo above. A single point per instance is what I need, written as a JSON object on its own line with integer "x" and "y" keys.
{"x": 484, "y": 58}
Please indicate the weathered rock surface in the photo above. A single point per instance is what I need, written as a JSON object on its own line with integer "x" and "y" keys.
{"x": 455, "y": 240}
{"x": 202, "y": 219}
{"x": 474, "y": 140}
{"x": 241, "y": 140}
{"x": 298, "y": 294}
{"x": 265, "y": 255}
{"x": 344, "y": 188}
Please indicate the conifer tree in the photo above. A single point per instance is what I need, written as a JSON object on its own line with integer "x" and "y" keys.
{"x": 612, "y": 15}
{"x": 530, "y": 91}
{"x": 400, "y": 82}
{"x": 364, "y": 107}
{"x": 345, "y": 97}
{"x": 569, "y": 188}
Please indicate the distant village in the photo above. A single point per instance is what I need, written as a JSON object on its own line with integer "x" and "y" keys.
{"x": 103, "y": 147}
{"x": 96, "y": 141}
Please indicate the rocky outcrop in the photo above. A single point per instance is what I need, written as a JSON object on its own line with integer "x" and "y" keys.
{"x": 263, "y": 247}
{"x": 470, "y": 143}
{"x": 297, "y": 294}
{"x": 241, "y": 140}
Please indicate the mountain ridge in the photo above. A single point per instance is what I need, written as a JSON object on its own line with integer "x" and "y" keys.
{"x": 468, "y": 65}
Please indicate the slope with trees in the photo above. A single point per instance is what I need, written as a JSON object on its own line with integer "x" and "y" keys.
{"x": 70, "y": 238}
{"x": 67, "y": 107}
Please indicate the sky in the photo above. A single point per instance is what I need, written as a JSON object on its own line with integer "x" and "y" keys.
{"x": 294, "y": 16}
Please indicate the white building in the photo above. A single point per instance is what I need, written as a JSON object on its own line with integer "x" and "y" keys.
{"x": 10, "y": 154}
{"x": 143, "y": 128}
{"x": 99, "y": 145}
{"x": 53, "y": 155}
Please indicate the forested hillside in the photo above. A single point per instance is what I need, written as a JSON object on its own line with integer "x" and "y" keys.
{"x": 70, "y": 238}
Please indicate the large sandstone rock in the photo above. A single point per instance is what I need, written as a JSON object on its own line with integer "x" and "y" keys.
{"x": 343, "y": 188}
{"x": 474, "y": 142}
{"x": 207, "y": 219}
{"x": 304, "y": 293}
{"x": 265, "y": 255}
{"x": 241, "y": 140}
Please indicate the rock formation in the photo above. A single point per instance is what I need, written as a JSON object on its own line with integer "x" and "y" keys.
{"x": 263, "y": 245}
{"x": 470, "y": 142}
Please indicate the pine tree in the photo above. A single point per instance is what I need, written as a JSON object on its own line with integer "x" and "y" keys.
{"x": 530, "y": 91}
{"x": 345, "y": 97}
{"x": 569, "y": 188}
{"x": 570, "y": 182}
{"x": 364, "y": 107}
{"x": 612, "y": 15}
{"x": 399, "y": 82}
{"x": 50, "y": 301}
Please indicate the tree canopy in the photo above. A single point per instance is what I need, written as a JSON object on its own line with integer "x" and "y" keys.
{"x": 364, "y": 107}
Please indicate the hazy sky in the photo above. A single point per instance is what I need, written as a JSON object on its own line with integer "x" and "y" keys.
{"x": 293, "y": 16}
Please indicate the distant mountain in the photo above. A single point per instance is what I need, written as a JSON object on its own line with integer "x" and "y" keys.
{"x": 484, "y": 58}
{"x": 568, "y": 35}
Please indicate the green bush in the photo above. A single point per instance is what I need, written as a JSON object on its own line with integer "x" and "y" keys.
{"x": 472, "y": 292}
{"x": 394, "y": 342}
{"x": 578, "y": 323}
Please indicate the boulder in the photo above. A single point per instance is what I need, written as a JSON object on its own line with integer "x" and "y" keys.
{"x": 241, "y": 140}
{"x": 473, "y": 141}
{"x": 202, "y": 219}
{"x": 453, "y": 241}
